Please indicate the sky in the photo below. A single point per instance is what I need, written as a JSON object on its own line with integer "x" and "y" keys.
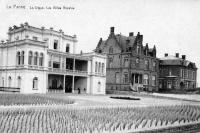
{"x": 172, "y": 25}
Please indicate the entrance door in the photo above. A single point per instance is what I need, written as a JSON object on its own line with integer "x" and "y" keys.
{"x": 54, "y": 84}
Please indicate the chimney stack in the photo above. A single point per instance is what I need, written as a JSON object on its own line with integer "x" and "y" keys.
{"x": 112, "y": 29}
{"x": 183, "y": 57}
{"x": 131, "y": 34}
{"x": 166, "y": 54}
{"x": 177, "y": 55}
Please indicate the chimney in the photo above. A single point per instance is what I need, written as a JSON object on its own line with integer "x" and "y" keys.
{"x": 166, "y": 54}
{"x": 112, "y": 29}
{"x": 131, "y": 34}
{"x": 177, "y": 55}
{"x": 183, "y": 57}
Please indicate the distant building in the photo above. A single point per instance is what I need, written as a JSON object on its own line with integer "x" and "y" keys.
{"x": 39, "y": 60}
{"x": 176, "y": 73}
{"x": 130, "y": 65}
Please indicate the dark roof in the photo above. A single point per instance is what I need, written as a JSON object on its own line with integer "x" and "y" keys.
{"x": 124, "y": 41}
{"x": 172, "y": 60}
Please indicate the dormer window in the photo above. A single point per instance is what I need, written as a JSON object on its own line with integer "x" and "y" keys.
{"x": 55, "y": 44}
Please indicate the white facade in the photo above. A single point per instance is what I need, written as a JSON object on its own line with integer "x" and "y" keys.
{"x": 39, "y": 60}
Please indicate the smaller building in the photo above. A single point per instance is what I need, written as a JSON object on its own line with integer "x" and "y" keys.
{"x": 176, "y": 73}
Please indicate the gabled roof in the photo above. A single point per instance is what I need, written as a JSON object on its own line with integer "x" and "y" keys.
{"x": 124, "y": 41}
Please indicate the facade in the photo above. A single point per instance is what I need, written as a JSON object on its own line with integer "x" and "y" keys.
{"x": 176, "y": 73}
{"x": 39, "y": 60}
{"x": 130, "y": 65}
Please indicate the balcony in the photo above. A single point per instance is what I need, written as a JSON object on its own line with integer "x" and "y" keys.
{"x": 67, "y": 72}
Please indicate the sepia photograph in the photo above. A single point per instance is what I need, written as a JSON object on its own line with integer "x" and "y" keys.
{"x": 100, "y": 66}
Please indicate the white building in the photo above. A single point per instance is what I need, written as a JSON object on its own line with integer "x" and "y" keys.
{"x": 39, "y": 60}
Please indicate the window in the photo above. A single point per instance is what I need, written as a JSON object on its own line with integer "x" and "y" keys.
{"x": 2, "y": 82}
{"x": 117, "y": 77}
{"x": 153, "y": 80}
{"x": 55, "y": 44}
{"x": 125, "y": 77}
{"x": 170, "y": 72}
{"x": 35, "y": 83}
{"x": 99, "y": 68}
{"x": 35, "y": 38}
{"x": 99, "y": 86}
{"x": 169, "y": 84}
{"x": 9, "y": 81}
{"x": 146, "y": 64}
{"x": 146, "y": 79}
{"x": 41, "y": 59}
{"x": 182, "y": 73}
{"x": 103, "y": 67}
{"x": 126, "y": 62}
{"x": 111, "y": 50}
{"x": 30, "y": 57}
{"x": 36, "y": 58}
{"x": 18, "y": 58}
{"x": 19, "y": 82}
{"x": 67, "y": 48}
{"x": 96, "y": 66}
{"x": 154, "y": 65}
{"x": 22, "y": 57}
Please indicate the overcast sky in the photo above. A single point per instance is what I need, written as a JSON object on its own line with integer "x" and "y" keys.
{"x": 172, "y": 25}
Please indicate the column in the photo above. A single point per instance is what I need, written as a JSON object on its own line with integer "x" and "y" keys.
{"x": 47, "y": 82}
{"x": 74, "y": 64}
{"x": 73, "y": 84}
{"x": 51, "y": 61}
{"x": 64, "y": 84}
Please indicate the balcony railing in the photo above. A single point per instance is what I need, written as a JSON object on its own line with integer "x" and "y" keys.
{"x": 68, "y": 71}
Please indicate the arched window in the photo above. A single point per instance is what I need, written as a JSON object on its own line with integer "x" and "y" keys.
{"x": 22, "y": 58}
{"x": 30, "y": 57}
{"x": 41, "y": 59}
{"x": 36, "y": 58}
{"x": 67, "y": 48}
{"x": 96, "y": 66}
{"x": 18, "y": 58}
{"x": 35, "y": 83}
{"x": 18, "y": 82}
{"x": 111, "y": 50}
{"x": 99, "y": 69}
{"x": 9, "y": 81}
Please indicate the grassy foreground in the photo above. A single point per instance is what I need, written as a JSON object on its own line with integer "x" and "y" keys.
{"x": 100, "y": 119}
